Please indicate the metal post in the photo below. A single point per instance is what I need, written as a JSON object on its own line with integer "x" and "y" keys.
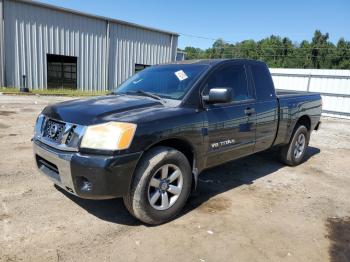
{"x": 308, "y": 83}
{"x": 24, "y": 88}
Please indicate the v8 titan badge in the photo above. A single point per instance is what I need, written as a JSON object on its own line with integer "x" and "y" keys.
{"x": 181, "y": 75}
{"x": 222, "y": 143}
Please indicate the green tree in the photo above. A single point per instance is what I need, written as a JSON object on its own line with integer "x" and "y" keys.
{"x": 319, "y": 49}
{"x": 282, "y": 52}
{"x": 342, "y": 54}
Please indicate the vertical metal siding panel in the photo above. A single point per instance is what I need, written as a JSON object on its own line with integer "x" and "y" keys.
{"x": 111, "y": 58}
{"x": 23, "y": 46}
{"x": 117, "y": 63}
{"x": 175, "y": 42}
{"x": 91, "y": 59}
{"x": 16, "y": 59}
{"x": 131, "y": 54}
{"x": 81, "y": 61}
{"x": 134, "y": 52}
{"x": 40, "y": 55}
{"x": 127, "y": 55}
{"x": 122, "y": 54}
{"x": 99, "y": 62}
{"x": 143, "y": 51}
{"x": 128, "y": 59}
{"x": 114, "y": 49}
{"x": 117, "y": 57}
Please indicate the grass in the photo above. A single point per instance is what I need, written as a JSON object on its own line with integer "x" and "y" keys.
{"x": 52, "y": 92}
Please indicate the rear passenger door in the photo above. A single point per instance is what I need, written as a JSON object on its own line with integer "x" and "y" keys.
{"x": 231, "y": 126}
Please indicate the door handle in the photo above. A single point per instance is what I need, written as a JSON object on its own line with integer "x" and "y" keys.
{"x": 249, "y": 111}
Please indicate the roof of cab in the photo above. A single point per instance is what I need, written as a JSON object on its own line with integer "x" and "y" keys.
{"x": 213, "y": 62}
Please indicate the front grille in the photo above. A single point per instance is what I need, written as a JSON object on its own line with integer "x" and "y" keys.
{"x": 53, "y": 130}
{"x": 60, "y": 135}
{"x": 70, "y": 135}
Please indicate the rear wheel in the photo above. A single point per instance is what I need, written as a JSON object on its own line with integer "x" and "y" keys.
{"x": 161, "y": 186}
{"x": 293, "y": 153}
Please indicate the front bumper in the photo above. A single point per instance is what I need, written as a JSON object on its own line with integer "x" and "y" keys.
{"x": 107, "y": 176}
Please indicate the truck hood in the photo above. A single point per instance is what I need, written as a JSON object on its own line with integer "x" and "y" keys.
{"x": 100, "y": 109}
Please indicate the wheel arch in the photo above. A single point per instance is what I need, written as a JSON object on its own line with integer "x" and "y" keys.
{"x": 179, "y": 144}
{"x": 185, "y": 147}
{"x": 304, "y": 120}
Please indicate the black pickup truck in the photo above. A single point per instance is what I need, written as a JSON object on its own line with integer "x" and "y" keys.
{"x": 150, "y": 138}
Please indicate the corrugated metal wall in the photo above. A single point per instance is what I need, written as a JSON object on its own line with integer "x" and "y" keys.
{"x": 334, "y": 86}
{"x": 129, "y": 46}
{"x": 33, "y": 31}
{"x": 1, "y": 46}
{"x": 107, "y": 51}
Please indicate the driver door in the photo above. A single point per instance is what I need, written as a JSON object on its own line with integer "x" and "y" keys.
{"x": 231, "y": 126}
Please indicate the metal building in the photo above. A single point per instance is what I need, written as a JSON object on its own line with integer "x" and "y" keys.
{"x": 57, "y": 47}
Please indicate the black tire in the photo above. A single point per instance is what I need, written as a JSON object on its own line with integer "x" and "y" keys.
{"x": 287, "y": 153}
{"x": 137, "y": 201}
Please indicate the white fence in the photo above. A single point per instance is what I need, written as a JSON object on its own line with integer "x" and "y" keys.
{"x": 334, "y": 86}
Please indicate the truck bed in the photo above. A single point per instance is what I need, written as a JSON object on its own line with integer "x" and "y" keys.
{"x": 286, "y": 93}
{"x": 293, "y": 104}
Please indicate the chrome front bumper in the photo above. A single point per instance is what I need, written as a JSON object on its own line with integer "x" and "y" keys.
{"x": 54, "y": 165}
{"x": 109, "y": 176}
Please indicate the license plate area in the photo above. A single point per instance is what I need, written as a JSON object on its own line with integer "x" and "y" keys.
{"x": 48, "y": 168}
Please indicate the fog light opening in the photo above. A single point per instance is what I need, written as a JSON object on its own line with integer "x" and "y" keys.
{"x": 86, "y": 185}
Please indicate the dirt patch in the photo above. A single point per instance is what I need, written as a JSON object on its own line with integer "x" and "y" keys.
{"x": 28, "y": 110}
{"x": 7, "y": 113}
{"x": 214, "y": 205}
{"x": 22, "y": 147}
{"x": 4, "y": 216}
{"x": 3, "y": 126}
{"x": 339, "y": 235}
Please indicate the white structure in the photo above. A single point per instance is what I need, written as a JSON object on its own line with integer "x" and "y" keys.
{"x": 58, "y": 47}
{"x": 334, "y": 86}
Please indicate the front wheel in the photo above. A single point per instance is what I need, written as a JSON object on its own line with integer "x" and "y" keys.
{"x": 293, "y": 153}
{"x": 161, "y": 186}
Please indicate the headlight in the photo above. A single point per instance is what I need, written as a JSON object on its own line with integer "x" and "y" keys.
{"x": 38, "y": 126}
{"x": 109, "y": 136}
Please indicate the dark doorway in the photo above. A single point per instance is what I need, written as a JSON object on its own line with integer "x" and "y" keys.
{"x": 139, "y": 67}
{"x": 61, "y": 71}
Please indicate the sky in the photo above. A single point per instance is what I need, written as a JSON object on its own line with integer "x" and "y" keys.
{"x": 233, "y": 21}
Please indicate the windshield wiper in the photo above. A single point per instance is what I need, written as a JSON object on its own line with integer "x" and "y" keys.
{"x": 141, "y": 92}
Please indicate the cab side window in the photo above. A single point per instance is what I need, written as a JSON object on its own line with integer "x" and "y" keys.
{"x": 230, "y": 76}
{"x": 264, "y": 87}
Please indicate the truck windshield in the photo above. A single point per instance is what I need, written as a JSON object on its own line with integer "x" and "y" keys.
{"x": 167, "y": 81}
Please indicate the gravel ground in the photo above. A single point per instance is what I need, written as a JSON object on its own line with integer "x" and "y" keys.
{"x": 252, "y": 209}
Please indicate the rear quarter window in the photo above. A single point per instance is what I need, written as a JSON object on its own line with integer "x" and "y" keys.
{"x": 263, "y": 83}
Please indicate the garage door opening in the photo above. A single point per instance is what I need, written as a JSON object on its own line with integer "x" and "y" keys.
{"x": 61, "y": 71}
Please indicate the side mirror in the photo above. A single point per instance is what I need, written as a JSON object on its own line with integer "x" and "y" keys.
{"x": 219, "y": 95}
